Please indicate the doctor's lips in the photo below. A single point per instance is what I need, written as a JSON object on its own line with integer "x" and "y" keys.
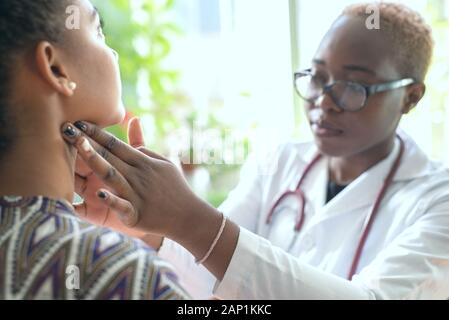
{"x": 324, "y": 129}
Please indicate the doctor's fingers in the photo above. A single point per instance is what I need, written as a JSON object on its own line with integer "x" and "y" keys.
{"x": 76, "y": 138}
{"x": 106, "y": 166}
{"x": 135, "y": 133}
{"x": 116, "y": 147}
{"x": 125, "y": 210}
{"x": 131, "y": 154}
{"x": 152, "y": 154}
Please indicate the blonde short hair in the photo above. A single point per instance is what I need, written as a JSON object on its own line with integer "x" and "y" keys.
{"x": 411, "y": 37}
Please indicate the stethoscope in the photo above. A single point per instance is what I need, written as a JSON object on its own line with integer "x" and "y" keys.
{"x": 300, "y": 196}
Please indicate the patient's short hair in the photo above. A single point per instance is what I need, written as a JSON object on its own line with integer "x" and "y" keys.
{"x": 410, "y": 36}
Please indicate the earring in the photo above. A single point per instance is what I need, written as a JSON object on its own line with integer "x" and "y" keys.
{"x": 72, "y": 85}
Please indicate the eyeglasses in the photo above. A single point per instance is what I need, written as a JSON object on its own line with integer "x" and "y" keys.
{"x": 347, "y": 95}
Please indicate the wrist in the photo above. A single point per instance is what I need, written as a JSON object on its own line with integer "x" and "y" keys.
{"x": 198, "y": 230}
{"x": 214, "y": 243}
{"x": 201, "y": 230}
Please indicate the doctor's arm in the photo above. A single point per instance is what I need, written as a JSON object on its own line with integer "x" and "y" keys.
{"x": 414, "y": 266}
{"x": 242, "y": 207}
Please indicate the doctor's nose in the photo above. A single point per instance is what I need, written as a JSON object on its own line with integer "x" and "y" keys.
{"x": 326, "y": 103}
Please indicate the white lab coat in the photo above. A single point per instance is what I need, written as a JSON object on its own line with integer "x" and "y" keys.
{"x": 406, "y": 255}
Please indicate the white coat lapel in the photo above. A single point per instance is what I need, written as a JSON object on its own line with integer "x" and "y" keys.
{"x": 360, "y": 193}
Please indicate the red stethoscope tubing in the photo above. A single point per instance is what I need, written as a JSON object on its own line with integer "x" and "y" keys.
{"x": 301, "y": 217}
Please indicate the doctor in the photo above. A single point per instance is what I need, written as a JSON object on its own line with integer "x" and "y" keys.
{"x": 361, "y": 213}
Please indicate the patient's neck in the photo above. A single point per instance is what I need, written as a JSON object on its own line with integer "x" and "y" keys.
{"x": 38, "y": 163}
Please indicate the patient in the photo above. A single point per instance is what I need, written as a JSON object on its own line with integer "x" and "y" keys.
{"x": 49, "y": 75}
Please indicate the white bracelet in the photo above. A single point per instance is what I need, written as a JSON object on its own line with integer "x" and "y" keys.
{"x": 214, "y": 243}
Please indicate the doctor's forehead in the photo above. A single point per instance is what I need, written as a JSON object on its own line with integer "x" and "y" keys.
{"x": 350, "y": 46}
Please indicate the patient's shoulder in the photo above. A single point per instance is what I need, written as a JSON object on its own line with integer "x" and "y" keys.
{"x": 46, "y": 252}
{"x": 114, "y": 266}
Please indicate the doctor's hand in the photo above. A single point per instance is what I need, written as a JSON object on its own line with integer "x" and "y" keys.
{"x": 150, "y": 195}
{"x": 95, "y": 210}
{"x": 146, "y": 191}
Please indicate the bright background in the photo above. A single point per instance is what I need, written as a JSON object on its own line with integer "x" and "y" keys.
{"x": 223, "y": 68}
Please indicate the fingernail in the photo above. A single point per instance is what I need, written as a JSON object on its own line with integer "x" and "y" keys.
{"x": 81, "y": 125}
{"x": 85, "y": 145}
{"x": 102, "y": 195}
{"x": 69, "y": 131}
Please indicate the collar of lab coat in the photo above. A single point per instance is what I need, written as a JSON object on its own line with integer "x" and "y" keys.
{"x": 364, "y": 190}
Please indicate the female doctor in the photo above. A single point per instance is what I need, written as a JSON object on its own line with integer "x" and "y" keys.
{"x": 361, "y": 213}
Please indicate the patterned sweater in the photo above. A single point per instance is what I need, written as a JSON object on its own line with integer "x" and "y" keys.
{"x": 46, "y": 252}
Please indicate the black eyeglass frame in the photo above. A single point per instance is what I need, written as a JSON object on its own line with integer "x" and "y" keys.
{"x": 369, "y": 90}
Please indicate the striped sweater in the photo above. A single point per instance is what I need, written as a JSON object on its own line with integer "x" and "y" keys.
{"x": 46, "y": 252}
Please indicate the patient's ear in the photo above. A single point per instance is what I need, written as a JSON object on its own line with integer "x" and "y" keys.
{"x": 51, "y": 68}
